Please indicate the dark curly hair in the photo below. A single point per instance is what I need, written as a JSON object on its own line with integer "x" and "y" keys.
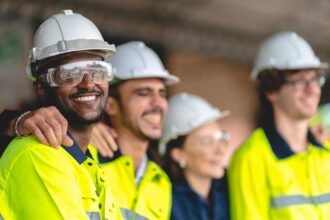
{"x": 270, "y": 80}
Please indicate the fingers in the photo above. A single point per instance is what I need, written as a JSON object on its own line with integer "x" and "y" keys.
{"x": 101, "y": 145}
{"x": 320, "y": 133}
{"x": 61, "y": 133}
{"x": 110, "y": 135}
{"x": 67, "y": 141}
{"x": 62, "y": 124}
{"x": 37, "y": 132}
{"x": 113, "y": 133}
{"x": 48, "y": 125}
{"x": 40, "y": 128}
{"x": 104, "y": 140}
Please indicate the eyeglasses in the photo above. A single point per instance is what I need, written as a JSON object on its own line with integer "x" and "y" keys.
{"x": 71, "y": 74}
{"x": 218, "y": 138}
{"x": 301, "y": 84}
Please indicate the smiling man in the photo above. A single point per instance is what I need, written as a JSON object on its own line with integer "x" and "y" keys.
{"x": 40, "y": 182}
{"x": 281, "y": 171}
{"x": 136, "y": 108}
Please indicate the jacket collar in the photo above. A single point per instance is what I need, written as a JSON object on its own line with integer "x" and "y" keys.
{"x": 118, "y": 154}
{"x": 76, "y": 152}
{"x": 279, "y": 146}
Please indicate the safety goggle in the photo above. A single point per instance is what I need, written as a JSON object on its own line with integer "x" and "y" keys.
{"x": 219, "y": 137}
{"x": 71, "y": 74}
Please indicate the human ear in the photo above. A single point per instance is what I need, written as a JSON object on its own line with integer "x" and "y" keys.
{"x": 271, "y": 96}
{"x": 176, "y": 154}
{"x": 111, "y": 106}
{"x": 40, "y": 90}
{"x": 178, "y": 157}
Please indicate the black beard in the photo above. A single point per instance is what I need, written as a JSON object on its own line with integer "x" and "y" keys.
{"x": 146, "y": 137}
{"x": 75, "y": 119}
{"x": 70, "y": 115}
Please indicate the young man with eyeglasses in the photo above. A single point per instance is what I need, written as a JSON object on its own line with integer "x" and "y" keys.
{"x": 69, "y": 72}
{"x": 281, "y": 171}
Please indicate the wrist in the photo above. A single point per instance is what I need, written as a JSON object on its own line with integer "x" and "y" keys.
{"x": 17, "y": 122}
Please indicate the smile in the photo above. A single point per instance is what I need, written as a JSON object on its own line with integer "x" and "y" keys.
{"x": 153, "y": 118}
{"x": 85, "y": 98}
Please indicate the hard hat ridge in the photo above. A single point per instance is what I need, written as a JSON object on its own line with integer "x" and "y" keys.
{"x": 285, "y": 51}
{"x": 63, "y": 33}
{"x": 186, "y": 113}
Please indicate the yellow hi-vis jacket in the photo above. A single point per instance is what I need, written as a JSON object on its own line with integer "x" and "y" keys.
{"x": 39, "y": 182}
{"x": 151, "y": 199}
{"x": 269, "y": 181}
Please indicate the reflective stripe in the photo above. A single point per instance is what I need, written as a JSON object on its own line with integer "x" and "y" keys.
{"x": 1, "y": 217}
{"x": 285, "y": 201}
{"x": 93, "y": 215}
{"x": 131, "y": 215}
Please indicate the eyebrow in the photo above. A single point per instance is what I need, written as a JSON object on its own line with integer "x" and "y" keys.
{"x": 149, "y": 89}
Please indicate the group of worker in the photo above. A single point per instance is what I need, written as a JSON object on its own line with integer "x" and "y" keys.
{"x": 153, "y": 158}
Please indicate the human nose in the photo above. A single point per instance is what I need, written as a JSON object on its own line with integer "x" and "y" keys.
{"x": 86, "y": 82}
{"x": 221, "y": 147}
{"x": 158, "y": 100}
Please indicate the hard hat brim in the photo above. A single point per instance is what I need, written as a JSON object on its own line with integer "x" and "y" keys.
{"x": 322, "y": 65}
{"x": 169, "y": 80}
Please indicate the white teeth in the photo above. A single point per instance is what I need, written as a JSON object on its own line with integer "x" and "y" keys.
{"x": 85, "y": 98}
{"x": 153, "y": 118}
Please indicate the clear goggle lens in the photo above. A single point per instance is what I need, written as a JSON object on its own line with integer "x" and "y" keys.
{"x": 219, "y": 137}
{"x": 71, "y": 74}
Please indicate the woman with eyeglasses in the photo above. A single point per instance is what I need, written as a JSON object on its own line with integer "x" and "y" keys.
{"x": 194, "y": 145}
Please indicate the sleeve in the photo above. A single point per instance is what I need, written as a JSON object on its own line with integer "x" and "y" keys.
{"x": 4, "y": 142}
{"x": 248, "y": 191}
{"x": 42, "y": 184}
{"x": 5, "y": 117}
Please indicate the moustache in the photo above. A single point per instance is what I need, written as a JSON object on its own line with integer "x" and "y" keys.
{"x": 153, "y": 111}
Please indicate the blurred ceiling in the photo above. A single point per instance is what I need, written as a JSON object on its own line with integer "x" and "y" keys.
{"x": 229, "y": 28}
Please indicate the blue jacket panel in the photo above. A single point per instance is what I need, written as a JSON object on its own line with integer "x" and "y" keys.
{"x": 187, "y": 204}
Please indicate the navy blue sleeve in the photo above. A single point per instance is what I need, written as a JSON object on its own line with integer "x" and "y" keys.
{"x": 5, "y": 117}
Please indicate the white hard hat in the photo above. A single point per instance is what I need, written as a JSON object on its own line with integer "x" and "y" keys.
{"x": 187, "y": 112}
{"x": 135, "y": 60}
{"x": 66, "y": 32}
{"x": 285, "y": 51}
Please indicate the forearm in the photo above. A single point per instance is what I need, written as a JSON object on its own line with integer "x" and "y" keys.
{"x": 47, "y": 124}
